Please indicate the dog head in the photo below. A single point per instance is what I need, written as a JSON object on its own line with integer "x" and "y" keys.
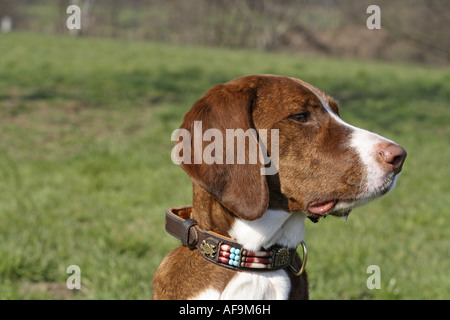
{"x": 323, "y": 165}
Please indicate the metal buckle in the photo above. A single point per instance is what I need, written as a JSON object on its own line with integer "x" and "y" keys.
{"x": 305, "y": 257}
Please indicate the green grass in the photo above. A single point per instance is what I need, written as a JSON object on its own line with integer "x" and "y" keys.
{"x": 86, "y": 174}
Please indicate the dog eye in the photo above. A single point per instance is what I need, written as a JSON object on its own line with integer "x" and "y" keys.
{"x": 300, "y": 117}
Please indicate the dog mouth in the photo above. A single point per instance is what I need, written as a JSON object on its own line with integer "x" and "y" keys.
{"x": 342, "y": 207}
{"x": 321, "y": 208}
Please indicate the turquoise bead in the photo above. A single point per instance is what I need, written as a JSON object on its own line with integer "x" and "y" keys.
{"x": 237, "y": 251}
{"x": 232, "y": 250}
{"x": 235, "y": 263}
{"x": 232, "y": 256}
{"x": 231, "y": 262}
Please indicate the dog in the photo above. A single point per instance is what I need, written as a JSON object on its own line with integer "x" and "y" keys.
{"x": 324, "y": 166}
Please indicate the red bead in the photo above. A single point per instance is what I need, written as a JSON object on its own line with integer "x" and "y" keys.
{"x": 223, "y": 259}
{"x": 257, "y": 259}
{"x": 225, "y": 247}
{"x": 256, "y": 265}
{"x": 258, "y": 254}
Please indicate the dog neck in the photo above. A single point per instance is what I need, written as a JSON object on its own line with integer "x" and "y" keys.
{"x": 276, "y": 226}
{"x": 210, "y": 214}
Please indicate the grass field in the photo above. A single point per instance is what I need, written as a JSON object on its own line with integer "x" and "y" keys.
{"x": 86, "y": 173}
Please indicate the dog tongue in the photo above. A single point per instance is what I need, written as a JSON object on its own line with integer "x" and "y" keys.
{"x": 321, "y": 207}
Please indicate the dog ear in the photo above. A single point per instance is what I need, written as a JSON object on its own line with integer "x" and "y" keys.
{"x": 239, "y": 187}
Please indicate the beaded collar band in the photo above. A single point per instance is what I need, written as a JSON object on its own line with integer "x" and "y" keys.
{"x": 226, "y": 251}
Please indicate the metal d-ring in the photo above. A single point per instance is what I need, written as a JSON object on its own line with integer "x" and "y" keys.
{"x": 305, "y": 257}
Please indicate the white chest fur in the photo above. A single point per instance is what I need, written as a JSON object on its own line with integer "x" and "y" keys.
{"x": 274, "y": 227}
{"x": 273, "y": 285}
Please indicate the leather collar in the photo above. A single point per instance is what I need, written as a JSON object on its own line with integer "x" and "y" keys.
{"x": 225, "y": 251}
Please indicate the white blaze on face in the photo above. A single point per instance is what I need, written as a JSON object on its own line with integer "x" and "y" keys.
{"x": 365, "y": 142}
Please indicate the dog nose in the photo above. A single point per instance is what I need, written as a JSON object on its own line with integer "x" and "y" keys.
{"x": 394, "y": 156}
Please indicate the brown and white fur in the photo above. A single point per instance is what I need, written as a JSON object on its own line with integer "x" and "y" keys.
{"x": 325, "y": 166}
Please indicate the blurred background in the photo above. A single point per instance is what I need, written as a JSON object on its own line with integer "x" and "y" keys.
{"x": 86, "y": 118}
{"x": 415, "y": 30}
